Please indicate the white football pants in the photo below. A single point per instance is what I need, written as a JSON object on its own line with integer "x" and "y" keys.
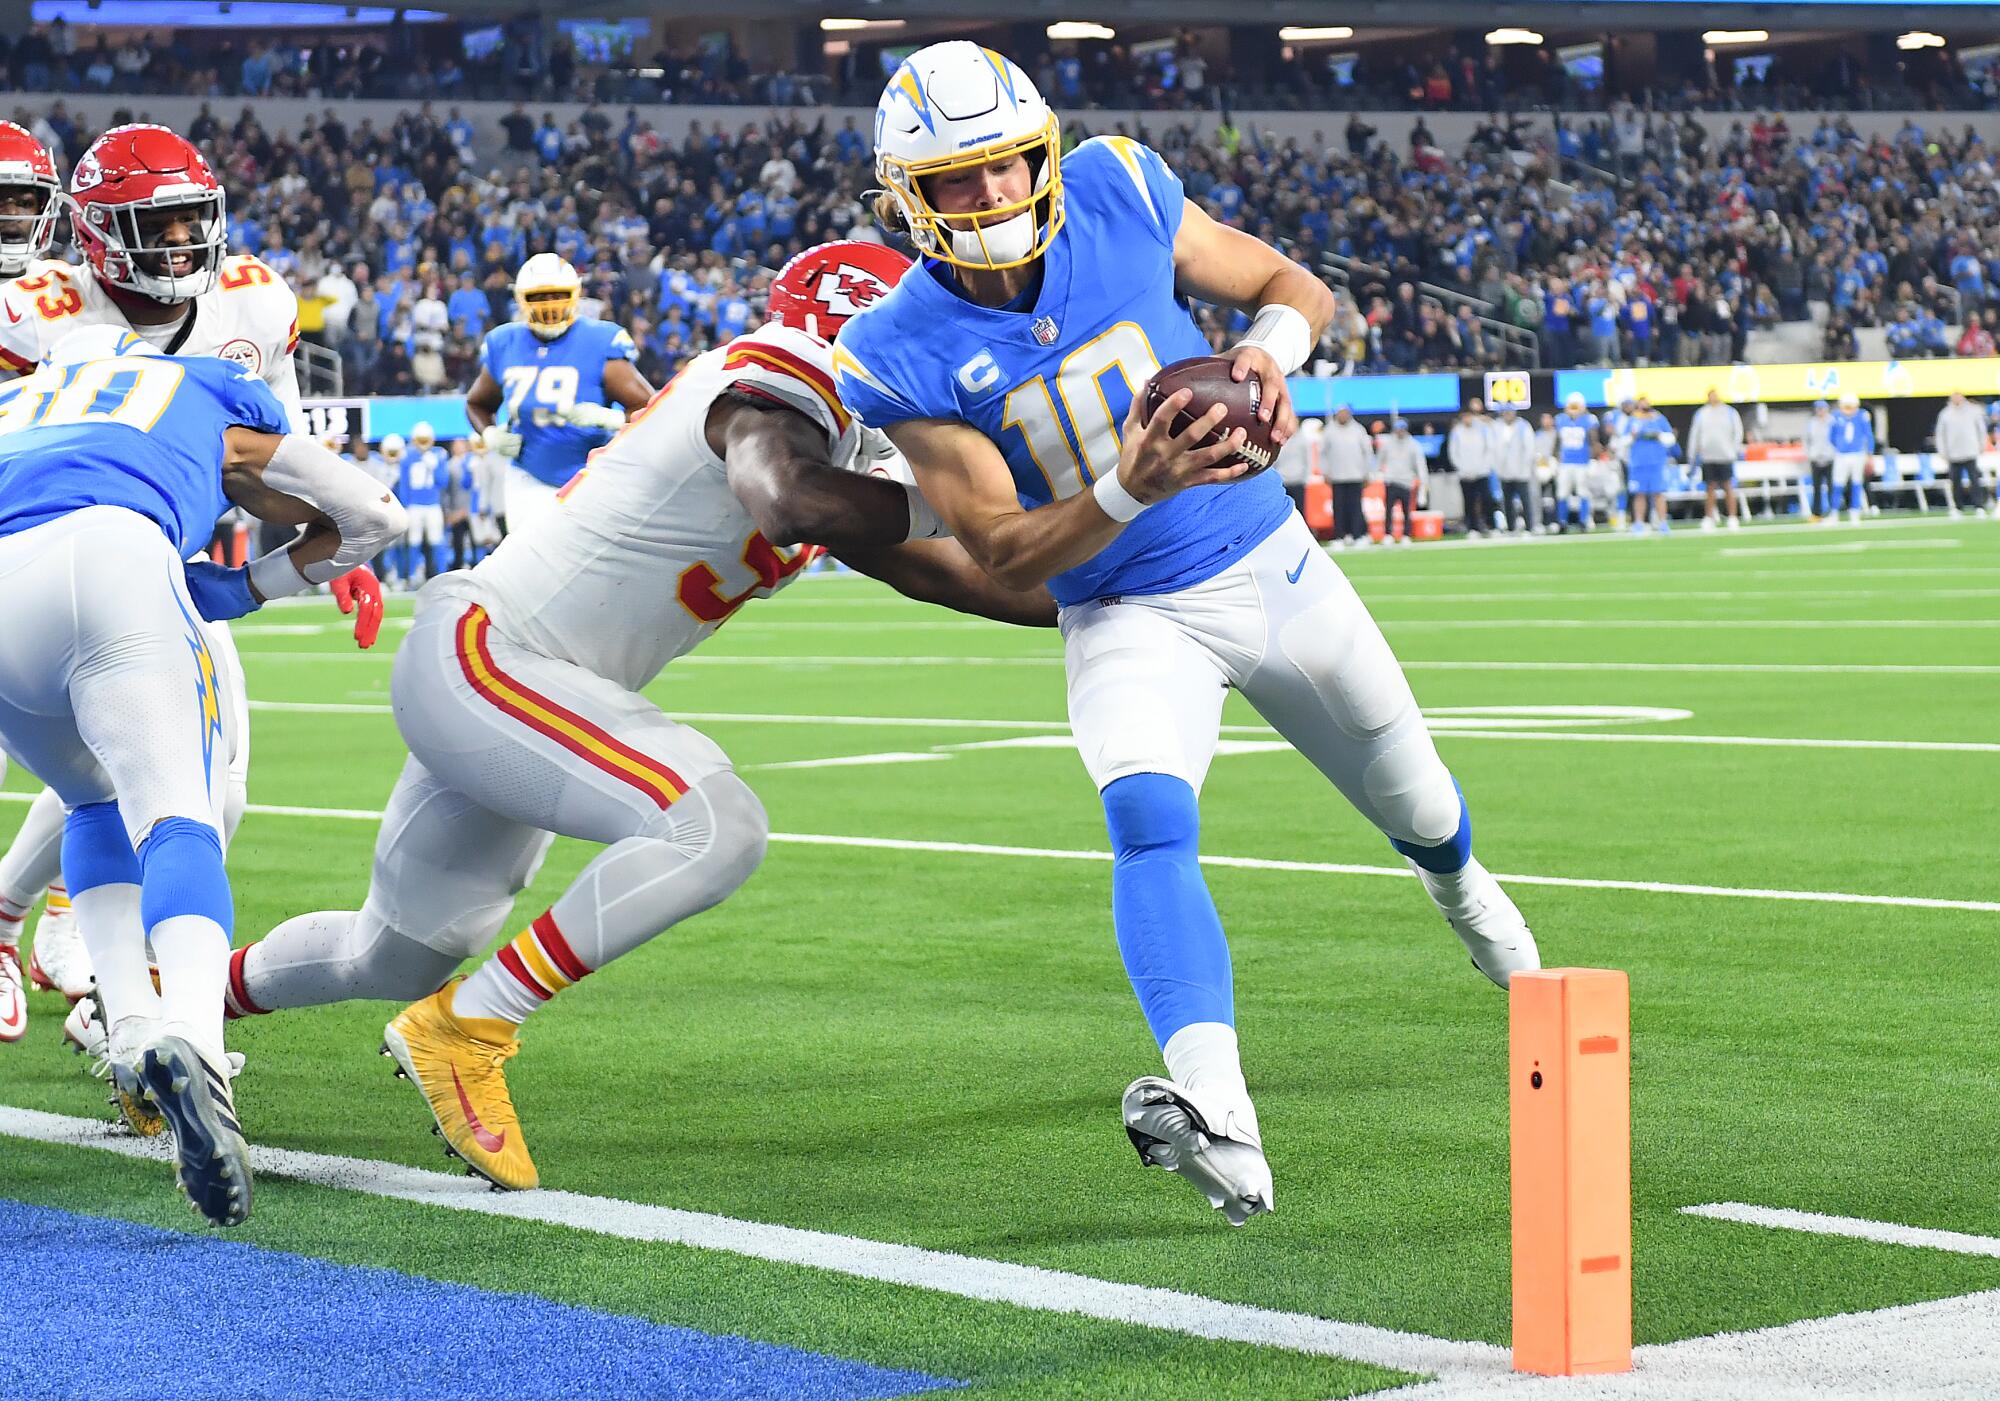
{"x": 509, "y": 747}
{"x": 1147, "y": 678}
{"x": 109, "y": 686}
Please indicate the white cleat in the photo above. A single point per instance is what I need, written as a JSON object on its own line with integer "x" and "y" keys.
{"x": 1485, "y": 920}
{"x": 1736, "y": 522}
{"x": 85, "y": 1033}
{"x": 1170, "y": 1131}
{"x": 59, "y": 960}
{"x": 13, "y": 995}
{"x": 1708, "y": 523}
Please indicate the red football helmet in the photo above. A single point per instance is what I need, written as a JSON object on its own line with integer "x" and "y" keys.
{"x": 131, "y": 188}
{"x": 819, "y": 289}
{"x": 33, "y": 198}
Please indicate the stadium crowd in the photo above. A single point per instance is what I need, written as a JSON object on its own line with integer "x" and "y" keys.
{"x": 1634, "y": 238}
{"x": 520, "y": 59}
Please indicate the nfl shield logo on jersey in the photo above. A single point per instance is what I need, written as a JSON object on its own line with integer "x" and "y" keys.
{"x": 1045, "y": 330}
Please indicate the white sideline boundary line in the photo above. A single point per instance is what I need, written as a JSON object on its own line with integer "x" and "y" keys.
{"x": 1442, "y": 728}
{"x": 1853, "y": 1227}
{"x": 1250, "y": 863}
{"x": 942, "y": 1272}
{"x": 1942, "y": 1350}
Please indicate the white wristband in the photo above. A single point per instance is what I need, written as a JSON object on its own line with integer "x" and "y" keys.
{"x": 275, "y": 576}
{"x": 1282, "y": 332}
{"x": 1116, "y": 502}
{"x": 925, "y": 522}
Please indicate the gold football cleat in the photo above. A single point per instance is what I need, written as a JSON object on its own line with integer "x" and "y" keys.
{"x": 460, "y": 1066}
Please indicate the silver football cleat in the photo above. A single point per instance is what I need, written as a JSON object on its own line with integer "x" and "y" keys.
{"x": 1226, "y": 1163}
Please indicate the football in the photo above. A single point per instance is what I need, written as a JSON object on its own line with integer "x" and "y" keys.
{"x": 1208, "y": 377}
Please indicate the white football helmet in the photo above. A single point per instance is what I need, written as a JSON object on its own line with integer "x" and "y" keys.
{"x": 392, "y": 447}
{"x": 959, "y": 106}
{"x": 548, "y": 292}
{"x": 422, "y": 435}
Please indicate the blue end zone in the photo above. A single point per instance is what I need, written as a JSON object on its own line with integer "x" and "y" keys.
{"x": 144, "y": 1313}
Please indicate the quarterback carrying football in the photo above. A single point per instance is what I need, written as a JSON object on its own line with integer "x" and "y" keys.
{"x": 1008, "y": 368}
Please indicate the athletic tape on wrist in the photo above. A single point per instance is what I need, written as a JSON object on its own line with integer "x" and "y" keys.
{"x": 275, "y": 575}
{"x": 1283, "y": 333}
{"x": 1114, "y": 500}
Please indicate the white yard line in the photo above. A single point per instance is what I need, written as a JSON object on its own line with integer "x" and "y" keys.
{"x": 1693, "y": 668}
{"x": 1835, "y": 547}
{"x": 1249, "y": 863}
{"x": 1447, "y": 727}
{"x": 1853, "y": 1227}
{"x": 965, "y": 1276}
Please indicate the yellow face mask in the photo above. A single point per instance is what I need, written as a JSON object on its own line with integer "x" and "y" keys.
{"x": 992, "y": 240}
{"x": 549, "y": 310}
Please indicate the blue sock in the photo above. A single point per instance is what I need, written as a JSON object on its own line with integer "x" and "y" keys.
{"x": 96, "y": 850}
{"x": 182, "y": 861}
{"x": 1449, "y": 855}
{"x": 1168, "y": 931}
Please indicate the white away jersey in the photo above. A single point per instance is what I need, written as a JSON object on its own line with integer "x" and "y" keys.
{"x": 651, "y": 551}
{"x": 250, "y": 317}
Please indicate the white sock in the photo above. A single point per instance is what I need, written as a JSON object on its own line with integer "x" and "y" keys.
{"x": 107, "y": 918}
{"x": 193, "y": 954}
{"x": 1202, "y": 1058}
{"x": 493, "y": 993}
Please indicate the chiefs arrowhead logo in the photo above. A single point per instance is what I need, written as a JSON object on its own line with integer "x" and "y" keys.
{"x": 847, "y": 291}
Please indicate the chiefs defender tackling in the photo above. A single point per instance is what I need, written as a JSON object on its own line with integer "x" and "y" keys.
{"x": 518, "y": 693}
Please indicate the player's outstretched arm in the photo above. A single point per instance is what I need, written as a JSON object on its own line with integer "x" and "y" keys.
{"x": 940, "y": 571}
{"x": 779, "y": 469}
{"x": 291, "y": 480}
{"x": 1291, "y": 308}
{"x": 964, "y": 476}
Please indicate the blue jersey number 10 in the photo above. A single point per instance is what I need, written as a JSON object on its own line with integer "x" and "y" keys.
{"x": 1079, "y": 383}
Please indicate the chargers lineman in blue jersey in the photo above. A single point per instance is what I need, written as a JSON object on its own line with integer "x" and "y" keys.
{"x": 1002, "y": 367}
{"x": 115, "y": 462}
{"x": 552, "y": 387}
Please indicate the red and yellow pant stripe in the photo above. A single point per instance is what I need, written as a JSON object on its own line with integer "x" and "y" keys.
{"x": 541, "y": 960}
{"x": 588, "y": 741}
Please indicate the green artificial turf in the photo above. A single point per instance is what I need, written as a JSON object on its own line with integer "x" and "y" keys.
{"x": 928, "y": 1047}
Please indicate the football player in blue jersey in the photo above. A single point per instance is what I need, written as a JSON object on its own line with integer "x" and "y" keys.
{"x": 115, "y": 462}
{"x": 421, "y": 490}
{"x": 1576, "y": 446}
{"x": 552, "y": 387}
{"x": 1008, "y": 368}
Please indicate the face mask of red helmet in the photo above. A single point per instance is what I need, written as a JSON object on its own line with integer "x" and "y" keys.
{"x": 30, "y": 198}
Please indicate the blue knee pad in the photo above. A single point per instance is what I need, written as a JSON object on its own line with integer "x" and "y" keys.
{"x": 182, "y": 861}
{"x": 96, "y": 850}
{"x": 1168, "y": 931}
{"x": 1450, "y": 855}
